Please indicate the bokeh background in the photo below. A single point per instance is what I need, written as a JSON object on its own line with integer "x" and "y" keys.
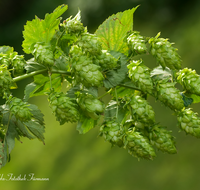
{"x": 86, "y": 162}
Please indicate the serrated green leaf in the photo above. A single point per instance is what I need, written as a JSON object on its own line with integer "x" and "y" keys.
{"x": 39, "y": 30}
{"x": 32, "y": 65}
{"x": 187, "y": 100}
{"x": 37, "y": 114}
{"x": 41, "y": 85}
{"x": 6, "y": 49}
{"x": 114, "y": 29}
{"x": 36, "y": 129}
{"x": 85, "y": 124}
{"x": 116, "y": 76}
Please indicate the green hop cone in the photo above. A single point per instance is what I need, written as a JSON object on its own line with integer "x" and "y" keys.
{"x": 105, "y": 60}
{"x": 189, "y": 122}
{"x": 142, "y": 111}
{"x": 43, "y": 54}
{"x": 91, "y": 106}
{"x": 140, "y": 75}
{"x": 168, "y": 94}
{"x": 138, "y": 145}
{"x": 6, "y": 80}
{"x": 63, "y": 107}
{"x": 112, "y": 132}
{"x": 165, "y": 54}
{"x": 85, "y": 71}
{"x": 74, "y": 26}
{"x": 18, "y": 63}
{"x": 162, "y": 139}
{"x": 90, "y": 44}
{"x": 136, "y": 43}
{"x": 20, "y": 109}
{"x": 5, "y": 60}
{"x": 190, "y": 80}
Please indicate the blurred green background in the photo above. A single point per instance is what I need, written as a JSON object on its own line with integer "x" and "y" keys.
{"x": 86, "y": 162}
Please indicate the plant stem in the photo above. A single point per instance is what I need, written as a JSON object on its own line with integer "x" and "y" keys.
{"x": 104, "y": 94}
{"x": 25, "y": 76}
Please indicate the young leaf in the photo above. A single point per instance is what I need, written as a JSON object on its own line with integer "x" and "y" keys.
{"x": 85, "y": 124}
{"x": 6, "y": 49}
{"x": 41, "y": 85}
{"x": 114, "y": 29}
{"x": 39, "y": 30}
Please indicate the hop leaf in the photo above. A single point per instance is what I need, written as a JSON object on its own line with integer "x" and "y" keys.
{"x": 168, "y": 94}
{"x": 91, "y": 106}
{"x": 20, "y": 109}
{"x": 138, "y": 145}
{"x": 136, "y": 43}
{"x": 44, "y": 54}
{"x": 140, "y": 75}
{"x": 165, "y": 54}
{"x": 63, "y": 107}
{"x": 189, "y": 122}
{"x": 142, "y": 111}
{"x": 190, "y": 80}
{"x": 112, "y": 132}
{"x": 162, "y": 139}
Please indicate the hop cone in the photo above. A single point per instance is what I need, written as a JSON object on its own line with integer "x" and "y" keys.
{"x": 138, "y": 145}
{"x": 74, "y": 26}
{"x": 140, "y": 75}
{"x": 189, "y": 122}
{"x": 4, "y": 60}
{"x": 20, "y": 109}
{"x": 142, "y": 111}
{"x": 6, "y": 80}
{"x": 136, "y": 43}
{"x": 111, "y": 132}
{"x": 63, "y": 108}
{"x": 105, "y": 60}
{"x": 44, "y": 54}
{"x": 91, "y": 106}
{"x": 90, "y": 44}
{"x": 162, "y": 139}
{"x": 18, "y": 63}
{"x": 190, "y": 80}
{"x": 169, "y": 95}
{"x": 165, "y": 54}
{"x": 85, "y": 71}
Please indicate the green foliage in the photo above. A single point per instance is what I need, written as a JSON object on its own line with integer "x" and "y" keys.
{"x": 88, "y": 63}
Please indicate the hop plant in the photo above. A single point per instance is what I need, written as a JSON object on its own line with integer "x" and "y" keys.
{"x": 91, "y": 106}
{"x": 138, "y": 145}
{"x": 165, "y": 54}
{"x": 112, "y": 132}
{"x": 20, "y": 109}
{"x": 136, "y": 43}
{"x": 140, "y": 75}
{"x": 189, "y": 122}
{"x": 162, "y": 139}
{"x": 85, "y": 71}
{"x": 142, "y": 111}
{"x": 90, "y": 44}
{"x": 190, "y": 80}
{"x": 105, "y": 60}
{"x": 168, "y": 94}
{"x": 6, "y": 80}
{"x": 43, "y": 54}
{"x": 5, "y": 60}
{"x": 63, "y": 107}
